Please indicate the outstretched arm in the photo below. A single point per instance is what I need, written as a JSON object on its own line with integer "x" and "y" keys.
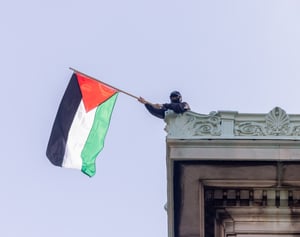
{"x": 143, "y": 101}
{"x": 155, "y": 109}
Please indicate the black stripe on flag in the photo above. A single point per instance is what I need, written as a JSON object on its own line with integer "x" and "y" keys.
{"x": 63, "y": 121}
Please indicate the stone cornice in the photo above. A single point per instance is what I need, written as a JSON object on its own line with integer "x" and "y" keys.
{"x": 276, "y": 124}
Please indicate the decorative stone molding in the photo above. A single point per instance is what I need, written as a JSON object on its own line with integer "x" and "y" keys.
{"x": 275, "y": 124}
{"x": 191, "y": 124}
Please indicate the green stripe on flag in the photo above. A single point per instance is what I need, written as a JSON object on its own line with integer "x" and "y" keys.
{"x": 95, "y": 140}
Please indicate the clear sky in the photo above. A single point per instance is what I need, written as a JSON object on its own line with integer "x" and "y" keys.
{"x": 221, "y": 54}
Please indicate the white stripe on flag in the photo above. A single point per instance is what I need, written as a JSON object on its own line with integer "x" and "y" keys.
{"x": 77, "y": 137}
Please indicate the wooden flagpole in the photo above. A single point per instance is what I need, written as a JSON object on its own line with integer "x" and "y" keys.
{"x": 104, "y": 83}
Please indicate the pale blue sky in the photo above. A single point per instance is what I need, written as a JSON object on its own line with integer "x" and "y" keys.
{"x": 222, "y": 55}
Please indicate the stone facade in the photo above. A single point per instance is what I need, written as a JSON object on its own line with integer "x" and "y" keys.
{"x": 228, "y": 124}
{"x": 233, "y": 175}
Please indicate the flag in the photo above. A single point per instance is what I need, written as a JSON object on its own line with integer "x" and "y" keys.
{"x": 81, "y": 124}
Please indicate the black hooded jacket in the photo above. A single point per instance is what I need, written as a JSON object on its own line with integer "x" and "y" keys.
{"x": 178, "y": 108}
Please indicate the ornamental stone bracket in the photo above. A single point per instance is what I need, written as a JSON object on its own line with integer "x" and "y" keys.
{"x": 276, "y": 124}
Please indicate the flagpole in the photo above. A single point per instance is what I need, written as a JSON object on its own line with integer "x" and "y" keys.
{"x": 124, "y": 92}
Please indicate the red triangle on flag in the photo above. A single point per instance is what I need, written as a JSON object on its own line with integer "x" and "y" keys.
{"x": 93, "y": 92}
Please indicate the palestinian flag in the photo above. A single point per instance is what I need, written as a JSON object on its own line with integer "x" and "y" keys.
{"x": 81, "y": 124}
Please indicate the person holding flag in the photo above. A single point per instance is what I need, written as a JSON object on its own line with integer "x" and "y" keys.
{"x": 83, "y": 118}
{"x": 176, "y": 105}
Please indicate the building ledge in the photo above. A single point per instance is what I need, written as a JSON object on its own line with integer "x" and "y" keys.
{"x": 276, "y": 124}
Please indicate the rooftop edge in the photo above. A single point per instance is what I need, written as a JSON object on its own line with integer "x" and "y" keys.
{"x": 276, "y": 124}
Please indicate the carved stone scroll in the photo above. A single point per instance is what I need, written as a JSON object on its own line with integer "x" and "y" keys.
{"x": 277, "y": 123}
{"x": 189, "y": 124}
